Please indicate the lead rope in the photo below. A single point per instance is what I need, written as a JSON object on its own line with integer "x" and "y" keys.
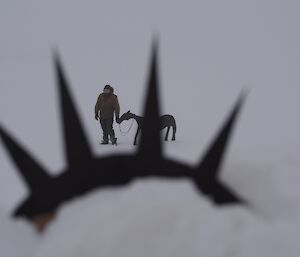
{"x": 125, "y": 133}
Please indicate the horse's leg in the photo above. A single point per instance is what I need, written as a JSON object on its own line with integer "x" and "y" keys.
{"x": 167, "y": 133}
{"x": 136, "y": 136}
{"x": 174, "y": 132}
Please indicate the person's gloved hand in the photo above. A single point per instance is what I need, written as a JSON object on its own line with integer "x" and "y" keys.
{"x": 118, "y": 120}
{"x": 96, "y": 116}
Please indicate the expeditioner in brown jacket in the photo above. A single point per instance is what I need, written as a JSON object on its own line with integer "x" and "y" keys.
{"x": 107, "y": 105}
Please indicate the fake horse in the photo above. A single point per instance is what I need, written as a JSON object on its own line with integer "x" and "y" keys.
{"x": 165, "y": 121}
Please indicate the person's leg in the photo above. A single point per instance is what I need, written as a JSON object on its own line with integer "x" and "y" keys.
{"x": 110, "y": 130}
{"x": 104, "y": 129}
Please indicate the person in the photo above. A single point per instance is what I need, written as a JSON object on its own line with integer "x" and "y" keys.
{"x": 107, "y": 105}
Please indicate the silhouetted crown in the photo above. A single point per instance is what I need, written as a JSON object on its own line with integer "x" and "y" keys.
{"x": 86, "y": 172}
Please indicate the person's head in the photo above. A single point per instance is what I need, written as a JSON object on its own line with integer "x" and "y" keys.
{"x": 108, "y": 90}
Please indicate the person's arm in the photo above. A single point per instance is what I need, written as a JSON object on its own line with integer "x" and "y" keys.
{"x": 97, "y": 108}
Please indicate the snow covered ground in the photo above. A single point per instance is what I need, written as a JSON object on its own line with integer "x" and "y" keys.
{"x": 154, "y": 218}
{"x": 209, "y": 51}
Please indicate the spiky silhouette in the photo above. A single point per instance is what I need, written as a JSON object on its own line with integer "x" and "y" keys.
{"x": 85, "y": 172}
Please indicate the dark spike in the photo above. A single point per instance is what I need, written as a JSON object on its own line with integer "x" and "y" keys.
{"x": 116, "y": 170}
{"x": 32, "y": 172}
{"x": 207, "y": 171}
{"x": 213, "y": 157}
{"x": 150, "y": 139}
{"x": 76, "y": 145}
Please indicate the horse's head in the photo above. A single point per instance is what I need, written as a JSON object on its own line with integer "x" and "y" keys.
{"x": 126, "y": 116}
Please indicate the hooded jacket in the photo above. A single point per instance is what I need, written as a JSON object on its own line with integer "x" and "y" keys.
{"x": 107, "y": 105}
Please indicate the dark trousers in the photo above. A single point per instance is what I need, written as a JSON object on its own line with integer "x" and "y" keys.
{"x": 107, "y": 127}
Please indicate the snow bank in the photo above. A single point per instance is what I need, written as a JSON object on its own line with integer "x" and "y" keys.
{"x": 163, "y": 218}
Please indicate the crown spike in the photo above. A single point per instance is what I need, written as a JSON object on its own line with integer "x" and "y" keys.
{"x": 213, "y": 157}
{"x": 210, "y": 164}
{"x": 76, "y": 144}
{"x": 150, "y": 139}
{"x": 32, "y": 172}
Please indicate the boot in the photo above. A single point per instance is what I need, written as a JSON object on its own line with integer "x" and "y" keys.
{"x": 114, "y": 141}
{"x": 104, "y": 142}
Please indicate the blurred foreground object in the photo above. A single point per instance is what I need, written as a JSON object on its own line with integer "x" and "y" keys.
{"x": 86, "y": 172}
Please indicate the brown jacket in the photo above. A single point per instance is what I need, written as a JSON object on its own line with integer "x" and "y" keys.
{"x": 107, "y": 105}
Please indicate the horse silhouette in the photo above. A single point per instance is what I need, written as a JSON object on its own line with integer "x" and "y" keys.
{"x": 165, "y": 121}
